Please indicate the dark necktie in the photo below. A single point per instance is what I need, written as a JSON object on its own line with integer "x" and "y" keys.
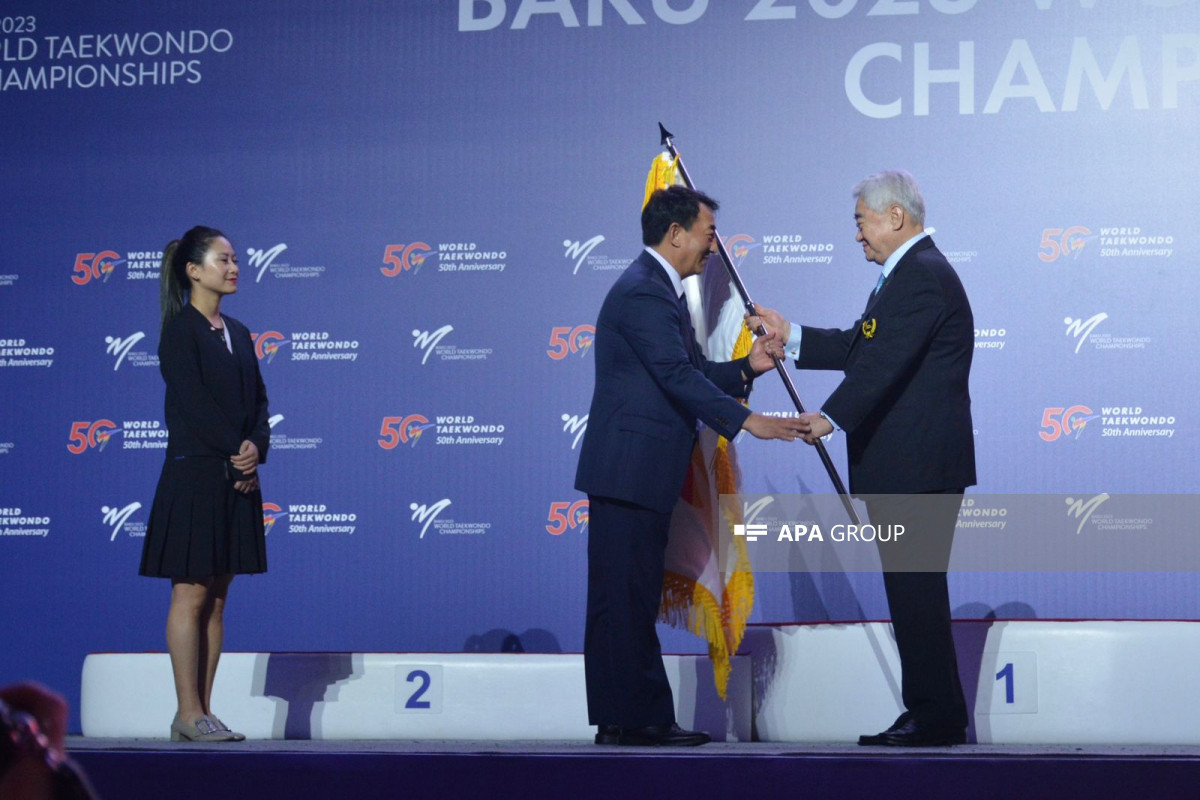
{"x": 689, "y": 335}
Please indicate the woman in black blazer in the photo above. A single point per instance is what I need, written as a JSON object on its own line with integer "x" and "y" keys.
{"x": 206, "y": 524}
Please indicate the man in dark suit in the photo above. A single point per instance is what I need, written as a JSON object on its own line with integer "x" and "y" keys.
{"x": 652, "y": 385}
{"x": 906, "y": 411}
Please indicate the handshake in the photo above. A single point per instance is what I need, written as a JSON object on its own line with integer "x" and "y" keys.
{"x": 773, "y": 331}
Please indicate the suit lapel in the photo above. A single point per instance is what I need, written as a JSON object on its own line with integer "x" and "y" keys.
{"x": 685, "y": 318}
{"x": 922, "y": 244}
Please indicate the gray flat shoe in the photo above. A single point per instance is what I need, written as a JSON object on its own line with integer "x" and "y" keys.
{"x": 221, "y": 726}
{"x": 202, "y": 730}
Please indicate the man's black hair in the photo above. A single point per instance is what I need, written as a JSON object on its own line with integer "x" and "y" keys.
{"x": 672, "y": 204}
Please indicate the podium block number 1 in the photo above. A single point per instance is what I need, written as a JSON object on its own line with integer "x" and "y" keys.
{"x": 1010, "y": 686}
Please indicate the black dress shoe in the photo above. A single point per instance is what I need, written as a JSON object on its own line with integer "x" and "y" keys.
{"x": 663, "y": 736}
{"x": 608, "y": 734}
{"x": 911, "y": 734}
{"x": 879, "y": 739}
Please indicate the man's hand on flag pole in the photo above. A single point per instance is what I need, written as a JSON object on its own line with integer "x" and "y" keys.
{"x": 772, "y": 320}
{"x": 764, "y": 352}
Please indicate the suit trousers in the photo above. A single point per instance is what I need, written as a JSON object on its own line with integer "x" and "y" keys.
{"x": 626, "y": 682}
{"x": 919, "y": 602}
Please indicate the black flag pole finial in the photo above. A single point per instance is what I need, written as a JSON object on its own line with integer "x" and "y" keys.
{"x": 666, "y": 134}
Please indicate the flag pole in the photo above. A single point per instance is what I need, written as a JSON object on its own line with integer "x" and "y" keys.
{"x": 669, "y": 143}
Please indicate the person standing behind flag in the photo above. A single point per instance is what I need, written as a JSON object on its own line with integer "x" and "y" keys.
{"x": 905, "y": 407}
{"x": 652, "y": 385}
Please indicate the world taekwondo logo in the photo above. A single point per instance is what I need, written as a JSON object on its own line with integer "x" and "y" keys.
{"x": 117, "y": 517}
{"x": 402, "y": 430}
{"x": 125, "y": 353}
{"x": 1082, "y": 328}
{"x": 750, "y": 511}
{"x": 272, "y": 513}
{"x": 567, "y": 340}
{"x": 86, "y": 434}
{"x": 1084, "y": 332}
{"x": 567, "y": 515}
{"x": 580, "y": 250}
{"x": 262, "y": 259}
{"x": 583, "y": 255}
{"x": 739, "y": 246}
{"x": 283, "y": 441}
{"x": 428, "y": 340}
{"x": 404, "y": 258}
{"x": 573, "y": 424}
{"x": 427, "y": 514}
{"x": 1063, "y": 243}
{"x": 267, "y": 344}
{"x": 121, "y": 347}
{"x": 95, "y": 267}
{"x": 265, "y": 259}
{"x": 1059, "y": 422}
{"x": 1082, "y": 510}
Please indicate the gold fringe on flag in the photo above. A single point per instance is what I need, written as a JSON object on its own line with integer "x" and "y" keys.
{"x": 738, "y": 600}
{"x": 689, "y": 604}
{"x": 663, "y": 173}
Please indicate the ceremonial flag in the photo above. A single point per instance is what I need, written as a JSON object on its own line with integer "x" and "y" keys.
{"x": 696, "y": 596}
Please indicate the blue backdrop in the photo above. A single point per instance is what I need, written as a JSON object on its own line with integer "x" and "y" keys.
{"x": 430, "y": 201}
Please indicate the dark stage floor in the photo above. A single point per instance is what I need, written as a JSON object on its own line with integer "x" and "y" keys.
{"x": 152, "y": 768}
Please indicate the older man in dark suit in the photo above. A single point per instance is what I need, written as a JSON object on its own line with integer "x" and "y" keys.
{"x": 905, "y": 407}
{"x": 652, "y": 385}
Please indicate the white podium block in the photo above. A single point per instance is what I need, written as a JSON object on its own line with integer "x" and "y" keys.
{"x": 823, "y": 683}
{"x": 1026, "y": 682}
{"x": 510, "y": 696}
{"x": 1089, "y": 683}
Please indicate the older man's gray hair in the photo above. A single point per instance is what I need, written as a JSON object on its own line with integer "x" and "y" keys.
{"x": 892, "y": 187}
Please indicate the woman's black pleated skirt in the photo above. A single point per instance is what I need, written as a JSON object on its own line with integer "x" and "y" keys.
{"x": 200, "y": 527}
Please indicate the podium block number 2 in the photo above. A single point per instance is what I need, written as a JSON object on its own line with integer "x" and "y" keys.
{"x": 1010, "y": 686}
{"x": 419, "y": 689}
